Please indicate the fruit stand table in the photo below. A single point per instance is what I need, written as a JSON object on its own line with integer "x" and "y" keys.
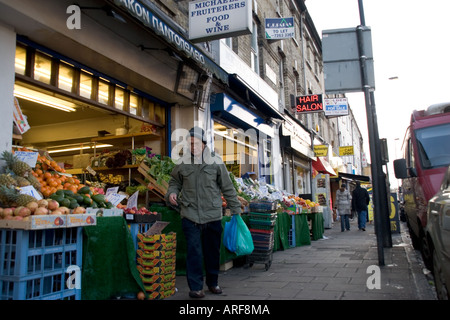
{"x": 317, "y": 227}
{"x": 284, "y": 225}
{"x": 109, "y": 265}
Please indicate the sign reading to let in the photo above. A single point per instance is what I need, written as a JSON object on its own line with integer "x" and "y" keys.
{"x": 346, "y": 151}
{"x": 310, "y": 103}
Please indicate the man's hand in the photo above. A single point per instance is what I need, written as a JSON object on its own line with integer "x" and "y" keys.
{"x": 173, "y": 199}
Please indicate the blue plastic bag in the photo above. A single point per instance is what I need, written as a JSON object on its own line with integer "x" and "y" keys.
{"x": 229, "y": 235}
{"x": 237, "y": 237}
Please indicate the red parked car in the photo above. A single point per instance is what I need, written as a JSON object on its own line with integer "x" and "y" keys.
{"x": 426, "y": 151}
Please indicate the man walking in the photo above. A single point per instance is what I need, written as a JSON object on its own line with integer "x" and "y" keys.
{"x": 343, "y": 204}
{"x": 196, "y": 184}
{"x": 360, "y": 201}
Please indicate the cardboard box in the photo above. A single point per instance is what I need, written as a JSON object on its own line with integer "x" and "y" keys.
{"x": 81, "y": 220}
{"x": 36, "y": 222}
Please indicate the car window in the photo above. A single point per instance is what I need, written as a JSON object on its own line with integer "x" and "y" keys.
{"x": 433, "y": 146}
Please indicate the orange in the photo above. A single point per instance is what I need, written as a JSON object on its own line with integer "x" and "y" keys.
{"x": 47, "y": 175}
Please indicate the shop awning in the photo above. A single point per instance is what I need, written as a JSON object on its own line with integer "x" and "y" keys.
{"x": 323, "y": 166}
{"x": 234, "y": 112}
{"x": 243, "y": 90}
{"x": 349, "y": 176}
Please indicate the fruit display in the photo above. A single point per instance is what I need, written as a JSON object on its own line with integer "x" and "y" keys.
{"x": 84, "y": 197}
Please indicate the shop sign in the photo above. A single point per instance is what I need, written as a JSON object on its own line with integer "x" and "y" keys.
{"x": 216, "y": 19}
{"x": 321, "y": 150}
{"x": 279, "y": 28}
{"x": 336, "y": 107}
{"x": 308, "y": 104}
{"x": 153, "y": 22}
{"x": 346, "y": 151}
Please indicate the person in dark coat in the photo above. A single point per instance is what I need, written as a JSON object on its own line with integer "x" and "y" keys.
{"x": 360, "y": 201}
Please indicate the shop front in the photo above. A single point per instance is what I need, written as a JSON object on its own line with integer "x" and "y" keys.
{"x": 243, "y": 139}
{"x": 297, "y": 156}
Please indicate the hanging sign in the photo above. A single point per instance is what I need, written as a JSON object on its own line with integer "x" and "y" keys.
{"x": 336, "y": 107}
{"x": 216, "y": 19}
{"x": 279, "y": 28}
{"x": 19, "y": 119}
{"x": 321, "y": 150}
{"x": 346, "y": 151}
{"x": 308, "y": 104}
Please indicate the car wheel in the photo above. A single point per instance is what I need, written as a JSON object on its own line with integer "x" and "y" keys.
{"x": 441, "y": 287}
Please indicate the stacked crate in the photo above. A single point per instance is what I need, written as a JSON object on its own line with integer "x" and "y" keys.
{"x": 156, "y": 264}
{"x": 262, "y": 219}
{"x": 40, "y": 264}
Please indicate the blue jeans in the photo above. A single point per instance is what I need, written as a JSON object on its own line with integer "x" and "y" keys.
{"x": 202, "y": 241}
{"x": 362, "y": 218}
{"x": 345, "y": 222}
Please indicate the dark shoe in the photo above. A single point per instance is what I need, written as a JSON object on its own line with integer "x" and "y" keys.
{"x": 215, "y": 290}
{"x": 363, "y": 229}
{"x": 197, "y": 294}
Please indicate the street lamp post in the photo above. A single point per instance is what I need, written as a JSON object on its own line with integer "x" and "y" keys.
{"x": 382, "y": 228}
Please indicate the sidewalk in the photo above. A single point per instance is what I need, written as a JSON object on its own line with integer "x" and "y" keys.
{"x": 333, "y": 268}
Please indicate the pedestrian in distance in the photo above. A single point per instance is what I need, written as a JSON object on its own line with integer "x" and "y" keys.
{"x": 343, "y": 204}
{"x": 195, "y": 188}
{"x": 360, "y": 201}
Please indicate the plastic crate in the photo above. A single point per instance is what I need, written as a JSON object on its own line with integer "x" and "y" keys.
{"x": 263, "y": 206}
{"x": 33, "y": 263}
{"x": 263, "y": 216}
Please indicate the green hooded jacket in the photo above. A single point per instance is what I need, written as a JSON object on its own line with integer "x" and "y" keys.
{"x": 199, "y": 186}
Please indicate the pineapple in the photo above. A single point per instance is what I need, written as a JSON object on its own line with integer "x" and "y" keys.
{"x": 22, "y": 182}
{"x": 7, "y": 179}
{"x": 14, "y": 196}
{"x": 19, "y": 167}
{"x": 34, "y": 182}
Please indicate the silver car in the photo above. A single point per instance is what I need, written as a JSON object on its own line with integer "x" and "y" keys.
{"x": 438, "y": 237}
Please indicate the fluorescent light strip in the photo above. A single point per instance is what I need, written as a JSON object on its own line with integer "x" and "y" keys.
{"x": 79, "y": 148}
{"x": 36, "y": 96}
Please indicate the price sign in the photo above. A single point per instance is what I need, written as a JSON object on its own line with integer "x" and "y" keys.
{"x": 31, "y": 191}
{"x": 115, "y": 198}
{"x": 111, "y": 190}
{"x": 132, "y": 201}
{"x": 28, "y": 157}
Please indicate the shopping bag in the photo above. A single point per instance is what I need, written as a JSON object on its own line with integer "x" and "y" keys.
{"x": 244, "y": 240}
{"x": 229, "y": 234}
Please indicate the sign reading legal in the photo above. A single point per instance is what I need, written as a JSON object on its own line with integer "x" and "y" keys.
{"x": 216, "y": 19}
{"x": 310, "y": 103}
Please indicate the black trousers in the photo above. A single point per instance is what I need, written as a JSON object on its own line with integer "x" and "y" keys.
{"x": 203, "y": 243}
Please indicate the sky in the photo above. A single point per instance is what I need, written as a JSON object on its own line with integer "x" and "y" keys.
{"x": 410, "y": 41}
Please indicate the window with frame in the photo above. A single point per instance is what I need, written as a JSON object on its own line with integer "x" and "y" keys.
{"x": 255, "y": 50}
{"x": 78, "y": 81}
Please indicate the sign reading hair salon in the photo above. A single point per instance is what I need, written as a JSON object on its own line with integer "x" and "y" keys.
{"x": 216, "y": 19}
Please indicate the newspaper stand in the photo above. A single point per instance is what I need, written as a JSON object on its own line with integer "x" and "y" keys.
{"x": 262, "y": 218}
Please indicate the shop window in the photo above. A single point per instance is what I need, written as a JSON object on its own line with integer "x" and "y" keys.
{"x": 21, "y": 59}
{"x": 103, "y": 92}
{"x": 119, "y": 98}
{"x": 42, "y": 68}
{"x": 238, "y": 149}
{"x": 148, "y": 110}
{"x": 86, "y": 82}
{"x": 65, "y": 77}
{"x": 159, "y": 113}
{"x": 134, "y": 101}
